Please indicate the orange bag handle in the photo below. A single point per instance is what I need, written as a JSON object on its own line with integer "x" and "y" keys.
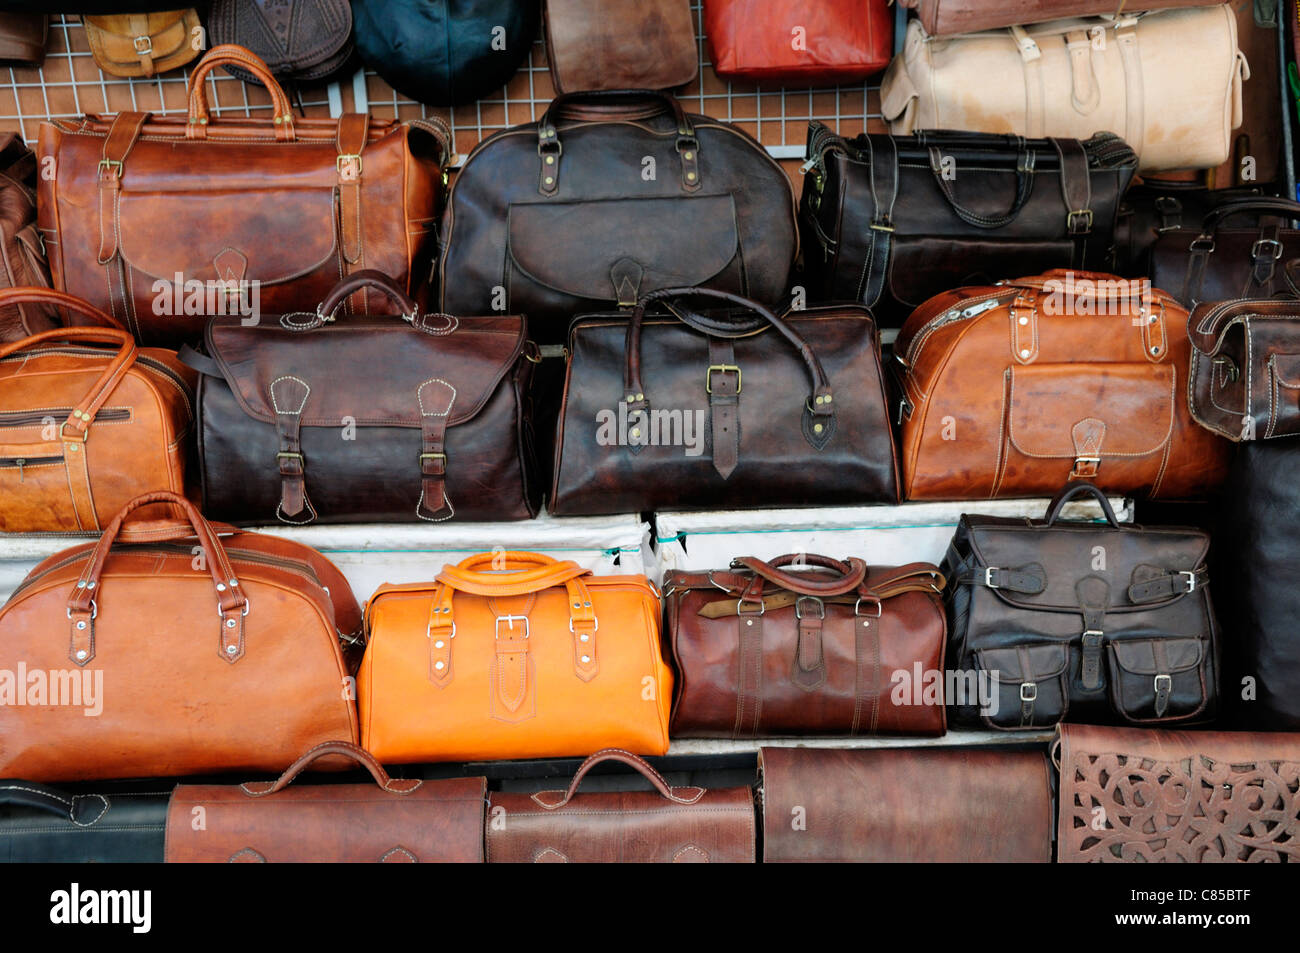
{"x": 232, "y": 54}
{"x": 344, "y": 748}
{"x": 59, "y": 299}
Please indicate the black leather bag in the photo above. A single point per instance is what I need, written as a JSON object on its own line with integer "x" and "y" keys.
{"x": 1152, "y": 208}
{"x": 44, "y": 825}
{"x": 889, "y": 221}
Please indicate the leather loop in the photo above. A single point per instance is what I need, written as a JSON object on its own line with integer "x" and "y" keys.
{"x": 364, "y": 279}
{"x": 230, "y": 54}
{"x": 336, "y": 748}
{"x": 1079, "y": 489}
{"x": 1025, "y": 163}
{"x": 723, "y": 387}
{"x": 851, "y": 574}
{"x": 688, "y": 795}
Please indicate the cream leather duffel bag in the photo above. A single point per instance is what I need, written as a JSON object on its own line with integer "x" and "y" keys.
{"x": 1168, "y": 81}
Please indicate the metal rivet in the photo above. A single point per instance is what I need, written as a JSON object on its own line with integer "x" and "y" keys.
{"x": 866, "y": 624}
{"x": 584, "y": 637}
{"x": 586, "y": 659}
{"x": 81, "y": 624}
{"x": 232, "y": 649}
{"x": 90, "y": 585}
{"x": 439, "y": 644}
{"x": 81, "y": 653}
{"x": 549, "y": 180}
{"x": 829, "y": 398}
{"x": 640, "y": 396}
{"x": 279, "y": 120}
{"x": 230, "y": 623}
{"x": 631, "y": 398}
{"x": 749, "y": 622}
{"x": 1024, "y": 320}
{"x": 690, "y": 176}
{"x": 1155, "y": 350}
{"x": 818, "y": 428}
{"x": 72, "y": 448}
{"x": 203, "y": 121}
{"x": 1024, "y": 352}
{"x": 221, "y": 587}
{"x": 636, "y": 431}
{"x": 234, "y": 582}
{"x": 440, "y": 665}
{"x": 550, "y": 160}
{"x": 81, "y": 584}
{"x": 688, "y": 155}
{"x": 588, "y": 604}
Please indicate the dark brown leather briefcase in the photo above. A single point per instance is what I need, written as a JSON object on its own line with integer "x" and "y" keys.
{"x": 824, "y": 647}
{"x": 685, "y": 410}
{"x": 316, "y": 417}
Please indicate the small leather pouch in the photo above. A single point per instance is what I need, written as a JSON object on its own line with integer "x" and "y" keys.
{"x": 142, "y": 44}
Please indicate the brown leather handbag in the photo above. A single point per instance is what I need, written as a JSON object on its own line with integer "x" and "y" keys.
{"x": 392, "y": 821}
{"x": 87, "y": 422}
{"x": 143, "y": 44}
{"x": 22, "y": 257}
{"x": 23, "y": 37}
{"x": 707, "y": 411}
{"x": 295, "y": 424}
{"x": 299, "y": 40}
{"x": 1014, "y": 389}
{"x": 118, "y": 673}
{"x": 609, "y": 196}
{"x": 1135, "y": 796}
{"x": 620, "y": 44}
{"x": 682, "y": 825}
{"x": 831, "y": 648}
{"x": 163, "y": 221}
{"x": 946, "y": 17}
{"x": 905, "y": 805}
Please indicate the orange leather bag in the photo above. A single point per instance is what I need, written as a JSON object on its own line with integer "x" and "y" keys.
{"x": 513, "y": 655}
{"x": 166, "y": 649}
{"x": 87, "y": 421}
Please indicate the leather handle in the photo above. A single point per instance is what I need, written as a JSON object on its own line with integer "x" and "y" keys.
{"x": 232, "y": 54}
{"x": 1079, "y": 489}
{"x": 344, "y": 749}
{"x": 1215, "y": 217}
{"x": 850, "y": 575}
{"x": 623, "y": 757}
{"x": 20, "y": 793}
{"x": 166, "y": 530}
{"x": 520, "y": 573}
{"x": 1024, "y": 185}
{"x": 368, "y": 278}
{"x": 59, "y": 299}
{"x": 557, "y": 105}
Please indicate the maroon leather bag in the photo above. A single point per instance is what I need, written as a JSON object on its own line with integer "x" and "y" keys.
{"x": 687, "y": 825}
{"x": 837, "y": 648}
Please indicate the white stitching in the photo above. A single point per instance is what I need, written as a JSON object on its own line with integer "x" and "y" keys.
{"x": 276, "y": 404}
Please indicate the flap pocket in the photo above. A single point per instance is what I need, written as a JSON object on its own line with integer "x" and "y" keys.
{"x": 1157, "y": 679}
{"x": 1284, "y": 399}
{"x": 923, "y": 266}
{"x": 1028, "y": 683}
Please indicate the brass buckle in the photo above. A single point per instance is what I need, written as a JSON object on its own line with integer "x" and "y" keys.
{"x": 510, "y": 621}
{"x": 722, "y": 369}
{"x": 147, "y": 48}
{"x": 433, "y": 456}
{"x": 113, "y": 165}
{"x": 302, "y": 461}
{"x": 352, "y": 161}
{"x": 1079, "y": 220}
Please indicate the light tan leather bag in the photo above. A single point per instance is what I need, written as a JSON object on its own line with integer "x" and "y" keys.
{"x": 142, "y": 44}
{"x": 1071, "y": 78}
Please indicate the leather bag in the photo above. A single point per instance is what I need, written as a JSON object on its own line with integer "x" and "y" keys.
{"x": 1014, "y": 389}
{"x": 1177, "y": 796}
{"x": 22, "y": 256}
{"x": 163, "y": 221}
{"x": 299, "y": 40}
{"x": 795, "y": 410}
{"x": 669, "y": 825}
{"x": 513, "y": 655}
{"x": 44, "y": 825}
{"x": 295, "y": 425}
{"x": 620, "y": 44}
{"x": 143, "y": 44}
{"x": 890, "y": 221}
{"x": 1076, "y": 77}
{"x": 1152, "y": 208}
{"x": 1082, "y": 621}
{"x": 389, "y": 821}
{"x": 556, "y": 218}
{"x": 1242, "y": 249}
{"x": 23, "y": 37}
{"x": 829, "y": 648}
{"x": 88, "y": 421}
{"x": 905, "y": 805}
{"x": 946, "y": 17}
{"x": 131, "y": 622}
{"x": 829, "y": 43}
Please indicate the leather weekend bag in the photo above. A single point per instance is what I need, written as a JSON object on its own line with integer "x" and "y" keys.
{"x": 1155, "y": 207}
{"x": 557, "y": 217}
{"x": 834, "y": 648}
{"x": 163, "y": 221}
{"x": 905, "y": 805}
{"x": 1057, "y": 620}
{"x": 295, "y": 424}
{"x": 946, "y": 17}
{"x": 1221, "y": 262}
{"x": 143, "y": 44}
{"x": 390, "y": 821}
{"x": 569, "y": 663}
{"x": 44, "y": 825}
{"x": 1076, "y": 77}
{"x": 299, "y": 40}
{"x": 669, "y": 825}
{"x": 116, "y": 637}
{"x": 828, "y": 43}
{"x": 890, "y": 221}
{"x": 22, "y": 257}
{"x": 87, "y": 422}
{"x": 1014, "y": 389}
{"x": 1177, "y": 796}
{"x": 620, "y": 44}
{"x": 795, "y": 410}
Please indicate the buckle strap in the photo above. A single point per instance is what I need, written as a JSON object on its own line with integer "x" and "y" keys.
{"x": 809, "y": 669}
{"x": 1029, "y": 580}
{"x": 723, "y": 384}
{"x": 122, "y": 136}
{"x": 288, "y": 398}
{"x": 350, "y": 141}
{"x": 435, "y": 397}
{"x": 749, "y": 682}
{"x": 1174, "y": 582}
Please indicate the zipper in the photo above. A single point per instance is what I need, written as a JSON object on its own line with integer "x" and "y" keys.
{"x": 158, "y": 368}
{"x": 974, "y": 307}
{"x": 30, "y": 418}
{"x": 20, "y": 463}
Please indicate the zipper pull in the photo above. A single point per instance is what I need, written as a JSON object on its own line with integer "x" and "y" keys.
{"x": 20, "y": 461}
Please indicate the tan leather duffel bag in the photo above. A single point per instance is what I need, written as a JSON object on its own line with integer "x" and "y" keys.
{"x": 165, "y": 649}
{"x": 1015, "y": 389}
{"x": 1127, "y": 75}
{"x": 513, "y": 655}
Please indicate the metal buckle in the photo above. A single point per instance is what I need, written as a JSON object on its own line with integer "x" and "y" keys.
{"x": 1168, "y": 683}
{"x": 292, "y": 453}
{"x": 221, "y": 614}
{"x": 722, "y": 369}
{"x": 147, "y": 48}
{"x": 433, "y": 456}
{"x": 762, "y": 607}
{"x": 544, "y": 148}
{"x": 113, "y": 165}
{"x": 857, "y": 609}
{"x": 798, "y": 607}
{"x": 428, "y": 631}
{"x": 63, "y": 433}
{"x": 1079, "y": 220}
{"x": 1277, "y": 247}
{"x": 94, "y": 609}
{"x": 1028, "y": 691}
{"x": 988, "y": 577}
{"x": 1088, "y": 632}
{"x": 595, "y": 624}
{"x": 1189, "y": 578}
{"x": 510, "y": 621}
{"x": 1203, "y": 243}
{"x": 351, "y": 159}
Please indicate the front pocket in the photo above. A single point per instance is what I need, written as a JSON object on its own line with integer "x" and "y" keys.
{"x": 925, "y": 265}
{"x": 1029, "y": 685}
{"x": 1284, "y": 395}
{"x": 1157, "y": 679}
{"x": 34, "y": 494}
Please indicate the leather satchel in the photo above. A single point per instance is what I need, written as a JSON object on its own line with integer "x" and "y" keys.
{"x": 1015, "y": 389}
{"x": 164, "y": 221}
{"x": 44, "y": 825}
{"x": 669, "y": 825}
{"x": 620, "y": 44}
{"x": 1155, "y": 207}
{"x": 905, "y": 805}
{"x": 832, "y": 648}
{"x": 1057, "y": 620}
{"x": 143, "y": 44}
{"x": 1126, "y": 74}
{"x": 392, "y": 821}
{"x": 946, "y": 17}
{"x": 697, "y": 411}
{"x": 513, "y": 655}
{"x": 1218, "y": 261}
{"x": 890, "y": 221}
{"x": 299, "y": 40}
{"x": 121, "y": 630}
{"x": 1139, "y": 796}
{"x": 610, "y": 196}
{"x": 295, "y": 424}
{"x": 87, "y": 422}
{"x": 23, "y": 37}
{"x": 22, "y": 257}
{"x": 828, "y": 43}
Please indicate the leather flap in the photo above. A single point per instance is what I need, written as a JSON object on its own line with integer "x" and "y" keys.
{"x": 370, "y": 369}
{"x": 673, "y": 241}
{"x": 1138, "y": 657}
{"x": 1102, "y": 410}
{"x": 1046, "y": 661}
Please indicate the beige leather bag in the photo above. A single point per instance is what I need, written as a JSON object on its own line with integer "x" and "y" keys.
{"x": 1131, "y": 75}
